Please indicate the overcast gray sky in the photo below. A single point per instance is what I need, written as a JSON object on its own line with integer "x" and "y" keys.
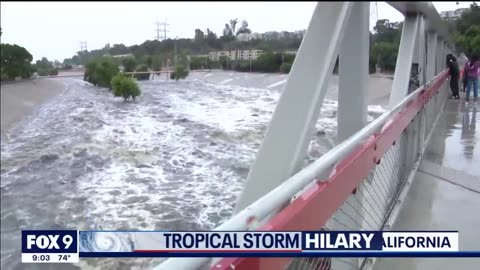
{"x": 55, "y": 29}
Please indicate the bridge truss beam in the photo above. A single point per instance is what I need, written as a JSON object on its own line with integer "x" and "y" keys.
{"x": 287, "y": 139}
{"x": 277, "y": 182}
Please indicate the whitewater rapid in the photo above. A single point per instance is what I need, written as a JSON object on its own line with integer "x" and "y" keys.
{"x": 176, "y": 158}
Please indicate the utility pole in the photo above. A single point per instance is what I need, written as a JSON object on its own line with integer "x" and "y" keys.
{"x": 175, "y": 52}
{"x": 250, "y": 57}
{"x": 159, "y": 30}
{"x": 83, "y": 46}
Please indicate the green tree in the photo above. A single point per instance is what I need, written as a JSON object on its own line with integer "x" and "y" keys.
{"x": 118, "y": 49}
{"x": 470, "y": 17}
{"x": 106, "y": 69}
{"x": 53, "y": 72}
{"x": 472, "y": 40}
{"x": 233, "y": 26}
{"x": 180, "y": 73}
{"x": 198, "y": 62}
{"x": 76, "y": 60}
{"x": 386, "y": 53}
{"x": 89, "y": 74}
{"x": 183, "y": 59}
{"x": 15, "y": 61}
{"x": 143, "y": 76}
{"x": 229, "y": 30}
{"x": 156, "y": 63}
{"x": 44, "y": 66}
{"x": 149, "y": 61}
{"x": 384, "y": 45}
{"x": 286, "y": 67}
{"x": 268, "y": 62}
{"x": 125, "y": 87}
{"x": 385, "y": 31}
{"x": 67, "y": 63}
{"x": 199, "y": 35}
{"x": 101, "y": 71}
{"x": 244, "y": 28}
{"x": 129, "y": 64}
{"x": 466, "y": 30}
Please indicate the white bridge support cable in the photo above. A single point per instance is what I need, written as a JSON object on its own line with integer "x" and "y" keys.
{"x": 288, "y": 136}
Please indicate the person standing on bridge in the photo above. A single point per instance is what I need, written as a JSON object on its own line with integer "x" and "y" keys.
{"x": 454, "y": 75}
{"x": 471, "y": 70}
{"x": 462, "y": 60}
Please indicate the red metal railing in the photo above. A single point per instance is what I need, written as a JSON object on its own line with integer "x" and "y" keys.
{"x": 316, "y": 206}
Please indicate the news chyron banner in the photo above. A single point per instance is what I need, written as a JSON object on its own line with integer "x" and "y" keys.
{"x": 68, "y": 246}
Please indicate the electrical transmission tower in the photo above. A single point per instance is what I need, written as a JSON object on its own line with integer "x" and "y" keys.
{"x": 83, "y": 46}
{"x": 161, "y": 33}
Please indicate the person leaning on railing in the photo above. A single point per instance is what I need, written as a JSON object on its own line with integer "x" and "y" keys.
{"x": 471, "y": 70}
{"x": 454, "y": 75}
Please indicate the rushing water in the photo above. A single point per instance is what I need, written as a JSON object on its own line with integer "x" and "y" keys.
{"x": 175, "y": 158}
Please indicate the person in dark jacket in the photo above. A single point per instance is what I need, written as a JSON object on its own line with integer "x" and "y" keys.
{"x": 454, "y": 75}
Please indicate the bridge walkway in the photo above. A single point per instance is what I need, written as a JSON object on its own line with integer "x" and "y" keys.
{"x": 445, "y": 193}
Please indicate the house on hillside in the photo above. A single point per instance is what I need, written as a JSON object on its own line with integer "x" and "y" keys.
{"x": 452, "y": 14}
{"x": 244, "y": 37}
{"x": 271, "y": 35}
{"x": 122, "y": 55}
{"x": 256, "y": 36}
{"x": 235, "y": 55}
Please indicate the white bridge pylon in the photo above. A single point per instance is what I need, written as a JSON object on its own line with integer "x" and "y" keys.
{"x": 339, "y": 29}
{"x": 336, "y": 29}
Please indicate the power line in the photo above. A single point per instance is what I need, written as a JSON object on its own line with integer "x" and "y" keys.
{"x": 161, "y": 33}
{"x": 83, "y": 46}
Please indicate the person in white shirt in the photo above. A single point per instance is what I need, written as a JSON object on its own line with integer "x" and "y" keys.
{"x": 462, "y": 60}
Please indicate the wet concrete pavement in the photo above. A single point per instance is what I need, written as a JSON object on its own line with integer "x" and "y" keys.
{"x": 455, "y": 142}
{"x": 435, "y": 204}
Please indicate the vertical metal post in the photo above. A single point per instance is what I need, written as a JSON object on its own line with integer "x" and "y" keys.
{"x": 441, "y": 57}
{"x": 352, "y": 103}
{"x": 421, "y": 50}
{"x": 431, "y": 67}
{"x": 404, "y": 60}
{"x": 431, "y": 55}
{"x": 401, "y": 81}
{"x": 353, "y": 73}
{"x": 419, "y": 57}
{"x": 288, "y": 136}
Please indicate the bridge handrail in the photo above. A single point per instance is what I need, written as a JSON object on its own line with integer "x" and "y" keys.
{"x": 350, "y": 172}
{"x": 273, "y": 201}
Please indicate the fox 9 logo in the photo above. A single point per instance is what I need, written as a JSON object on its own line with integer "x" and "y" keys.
{"x": 58, "y": 241}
